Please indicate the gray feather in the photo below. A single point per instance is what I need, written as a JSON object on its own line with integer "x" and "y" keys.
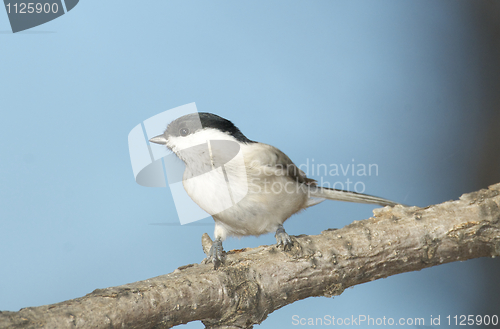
{"x": 341, "y": 195}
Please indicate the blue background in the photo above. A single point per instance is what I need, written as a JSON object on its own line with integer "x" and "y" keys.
{"x": 401, "y": 84}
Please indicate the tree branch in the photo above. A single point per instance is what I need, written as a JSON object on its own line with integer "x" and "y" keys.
{"x": 255, "y": 282}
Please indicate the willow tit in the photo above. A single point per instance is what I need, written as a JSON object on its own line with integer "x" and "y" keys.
{"x": 265, "y": 186}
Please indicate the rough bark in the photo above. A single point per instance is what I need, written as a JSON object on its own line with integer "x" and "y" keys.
{"x": 255, "y": 282}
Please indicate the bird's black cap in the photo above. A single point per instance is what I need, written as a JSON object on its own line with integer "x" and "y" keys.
{"x": 190, "y": 123}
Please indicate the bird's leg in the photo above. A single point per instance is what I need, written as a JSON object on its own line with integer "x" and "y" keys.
{"x": 282, "y": 238}
{"x": 216, "y": 254}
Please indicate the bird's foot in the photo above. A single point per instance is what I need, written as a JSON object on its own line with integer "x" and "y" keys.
{"x": 216, "y": 254}
{"x": 283, "y": 239}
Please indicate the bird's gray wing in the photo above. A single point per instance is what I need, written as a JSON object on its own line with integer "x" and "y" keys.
{"x": 279, "y": 164}
{"x": 282, "y": 165}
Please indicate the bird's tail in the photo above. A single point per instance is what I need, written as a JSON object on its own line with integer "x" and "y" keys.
{"x": 341, "y": 195}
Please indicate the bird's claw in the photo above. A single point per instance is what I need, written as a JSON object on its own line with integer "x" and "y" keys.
{"x": 283, "y": 239}
{"x": 216, "y": 254}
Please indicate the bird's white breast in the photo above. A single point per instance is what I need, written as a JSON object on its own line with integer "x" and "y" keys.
{"x": 242, "y": 199}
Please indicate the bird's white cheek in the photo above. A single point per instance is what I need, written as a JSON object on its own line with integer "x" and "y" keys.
{"x": 176, "y": 144}
{"x": 180, "y": 143}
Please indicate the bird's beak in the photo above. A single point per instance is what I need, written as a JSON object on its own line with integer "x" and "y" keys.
{"x": 160, "y": 139}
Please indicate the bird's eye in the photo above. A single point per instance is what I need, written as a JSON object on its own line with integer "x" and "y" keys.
{"x": 184, "y": 131}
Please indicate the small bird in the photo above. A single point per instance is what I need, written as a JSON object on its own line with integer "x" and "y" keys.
{"x": 266, "y": 187}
